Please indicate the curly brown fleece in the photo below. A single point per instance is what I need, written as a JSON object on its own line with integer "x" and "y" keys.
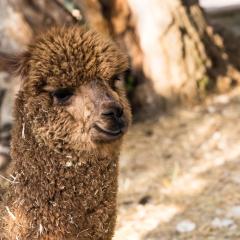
{"x": 65, "y": 170}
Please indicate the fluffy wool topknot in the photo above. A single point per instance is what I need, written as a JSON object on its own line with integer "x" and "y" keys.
{"x": 70, "y": 56}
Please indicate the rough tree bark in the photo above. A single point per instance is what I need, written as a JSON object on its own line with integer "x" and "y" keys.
{"x": 175, "y": 53}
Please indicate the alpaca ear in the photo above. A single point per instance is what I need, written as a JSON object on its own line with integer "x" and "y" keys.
{"x": 15, "y": 64}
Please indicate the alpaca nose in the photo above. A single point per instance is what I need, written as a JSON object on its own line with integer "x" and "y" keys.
{"x": 114, "y": 111}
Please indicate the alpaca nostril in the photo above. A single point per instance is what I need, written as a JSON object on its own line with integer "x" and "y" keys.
{"x": 114, "y": 112}
{"x": 119, "y": 112}
{"x": 108, "y": 113}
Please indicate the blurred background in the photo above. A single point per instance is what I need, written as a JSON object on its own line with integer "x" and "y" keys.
{"x": 180, "y": 174}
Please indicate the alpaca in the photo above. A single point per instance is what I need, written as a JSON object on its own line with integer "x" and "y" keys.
{"x": 69, "y": 119}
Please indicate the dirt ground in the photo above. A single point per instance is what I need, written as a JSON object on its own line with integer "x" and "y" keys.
{"x": 180, "y": 175}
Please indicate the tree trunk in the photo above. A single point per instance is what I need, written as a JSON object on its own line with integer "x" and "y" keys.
{"x": 175, "y": 54}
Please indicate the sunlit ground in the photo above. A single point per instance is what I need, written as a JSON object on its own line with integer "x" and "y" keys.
{"x": 180, "y": 176}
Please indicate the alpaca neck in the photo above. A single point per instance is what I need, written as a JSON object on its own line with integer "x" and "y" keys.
{"x": 62, "y": 195}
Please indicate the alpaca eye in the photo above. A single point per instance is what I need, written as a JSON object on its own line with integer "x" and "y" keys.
{"x": 62, "y": 95}
{"x": 116, "y": 81}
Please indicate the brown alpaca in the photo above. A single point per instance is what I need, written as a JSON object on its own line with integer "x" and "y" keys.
{"x": 70, "y": 116}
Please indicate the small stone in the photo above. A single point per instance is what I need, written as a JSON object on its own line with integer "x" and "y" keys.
{"x": 185, "y": 226}
{"x": 149, "y": 133}
{"x": 144, "y": 200}
{"x": 234, "y": 212}
{"x": 222, "y": 222}
{"x": 216, "y": 136}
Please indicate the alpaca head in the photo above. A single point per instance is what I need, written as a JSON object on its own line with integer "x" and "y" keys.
{"x": 72, "y": 91}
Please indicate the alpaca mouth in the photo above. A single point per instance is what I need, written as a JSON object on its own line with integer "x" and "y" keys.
{"x": 109, "y": 133}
